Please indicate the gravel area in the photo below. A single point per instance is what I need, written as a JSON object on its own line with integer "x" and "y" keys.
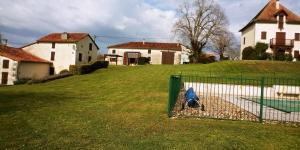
{"x": 214, "y": 107}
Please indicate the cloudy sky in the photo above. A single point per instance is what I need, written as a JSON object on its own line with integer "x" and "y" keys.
{"x": 114, "y": 21}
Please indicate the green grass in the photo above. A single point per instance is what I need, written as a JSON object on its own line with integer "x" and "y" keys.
{"x": 126, "y": 108}
{"x": 281, "y": 104}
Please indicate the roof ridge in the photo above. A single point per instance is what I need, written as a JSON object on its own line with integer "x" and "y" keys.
{"x": 266, "y": 14}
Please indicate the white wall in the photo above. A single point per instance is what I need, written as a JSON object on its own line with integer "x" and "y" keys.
{"x": 271, "y": 29}
{"x": 66, "y": 54}
{"x": 83, "y": 48}
{"x": 185, "y": 55}
{"x": 12, "y": 70}
{"x": 249, "y": 34}
{"x": 33, "y": 70}
{"x": 156, "y": 55}
{"x": 253, "y": 34}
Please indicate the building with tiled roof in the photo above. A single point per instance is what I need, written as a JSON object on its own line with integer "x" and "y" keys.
{"x": 158, "y": 53}
{"x": 17, "y": 64}
{"x": 276, "y": 26}
{"x": 64, "y": 49}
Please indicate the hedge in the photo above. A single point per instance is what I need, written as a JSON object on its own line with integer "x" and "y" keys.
{"x": 86, "y": 69}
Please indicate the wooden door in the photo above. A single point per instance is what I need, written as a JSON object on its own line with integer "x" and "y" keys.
{"x": 168, "y": 58}
{"x": 4, "y": 78}
{"x": 280, "y": 38}
{"x": 125, "y": 58}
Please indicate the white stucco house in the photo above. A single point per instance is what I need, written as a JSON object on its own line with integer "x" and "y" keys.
{"x": 17, "y": 64}
{"x": 275, "y": 25}
{"x": 158, "y": 53}
{"x": 64, "y": 49}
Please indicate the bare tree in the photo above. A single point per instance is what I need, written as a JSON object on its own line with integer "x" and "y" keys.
{"x": 198, "y": 21}
{"x": 223, "y": 42}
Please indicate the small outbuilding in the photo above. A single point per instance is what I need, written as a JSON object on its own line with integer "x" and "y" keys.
{"x": 157, "y": 53}
{"x": 16, "y": 64}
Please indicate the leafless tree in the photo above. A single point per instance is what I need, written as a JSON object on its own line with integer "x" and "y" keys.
{"x": 199, "y": 20}
{"x": 223, "y": 42}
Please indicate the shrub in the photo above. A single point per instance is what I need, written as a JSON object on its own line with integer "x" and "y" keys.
{"x": 289, "y": 57}
{"x": 269, "y": 56}
{"x": 249, "y": 53}
{"x": 100, "y": 64}
{"x": 22, "y": 81}
{"x": 65, "y": 71}
{"x": 261, "y": 49}
{"x": 206, "y": 59}
{"x": 143, "y": 61}
{"x": 50, "y": 78}
{"x": 280, "y": 56}
{"x": 86, "y": 69}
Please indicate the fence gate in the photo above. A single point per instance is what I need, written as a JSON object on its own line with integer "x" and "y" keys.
{"x": 252, "y": 99}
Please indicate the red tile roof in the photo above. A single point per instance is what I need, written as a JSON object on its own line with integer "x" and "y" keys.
{"x": 269, "y": 13}
{"x": 148, "y": 45}
{"x": 56, "y": 37}
{"x": 18, "y": 54}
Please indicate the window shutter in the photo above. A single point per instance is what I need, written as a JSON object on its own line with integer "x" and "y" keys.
{"x": 5, "y": 64}
{"x": 52, "y": 56}
{"x": 263, "y": 35}
{"x": 297, "y": 36}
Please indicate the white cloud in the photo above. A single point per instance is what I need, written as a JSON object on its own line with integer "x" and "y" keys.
{"x": 132, "y": 17}
{"x": 24, "y": 20}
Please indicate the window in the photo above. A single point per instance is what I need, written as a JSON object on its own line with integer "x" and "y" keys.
{"x": 149, "y": 51}
{"x": 91, "y": 46}
{"x": 114, "y": 51}
{"x": 296, "y": 54}
{"x": 52, "y": 56}
{"x": 244, "y": 40}
{"x": 297, "y": 36}
{"x": 90, "y": 58}
{"x": 263, "y": 35}
{"x": 80, "y": 57}
{"x": 280, "y": 24}
{"x": 5, "y": 64}
{"x": 53, "y": 45}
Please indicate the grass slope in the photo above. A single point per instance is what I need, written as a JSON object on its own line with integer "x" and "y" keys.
{"x": 125, "y": 108}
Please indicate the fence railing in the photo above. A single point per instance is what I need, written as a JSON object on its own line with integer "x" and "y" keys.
{"x": 237, "y": 98}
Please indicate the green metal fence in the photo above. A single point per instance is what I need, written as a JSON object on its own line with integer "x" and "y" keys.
{"x": 261, "y": 99}
{"x": 175, "y": 86}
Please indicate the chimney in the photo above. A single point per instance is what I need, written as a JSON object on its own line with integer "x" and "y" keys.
{"x": 143, "y": 41}
{"x": 277, "y": 4}
{"x": 64, "y": 36}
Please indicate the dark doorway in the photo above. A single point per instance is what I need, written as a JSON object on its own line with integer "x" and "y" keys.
{"x": 132, "y": 60}
{"x": 51, "y": 71}
{"x": 4, "y": 78}
{"x": 168, "y": 58}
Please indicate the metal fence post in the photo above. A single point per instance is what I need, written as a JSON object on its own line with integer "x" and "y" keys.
{"x": 262, "y": 86}
{"x": 174, "y": 89}
{"x": 170, "y": 114}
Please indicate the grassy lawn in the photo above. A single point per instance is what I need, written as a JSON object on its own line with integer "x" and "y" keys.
{"x": 126, "y": 108}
